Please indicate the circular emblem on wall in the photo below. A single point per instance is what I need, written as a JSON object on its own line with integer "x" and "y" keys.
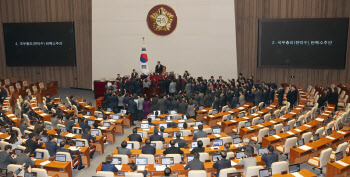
{"x": 162, "y": 20}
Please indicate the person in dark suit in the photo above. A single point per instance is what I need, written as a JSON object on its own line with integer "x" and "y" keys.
{"x": 162, "y": 104}
{"x": 132, "y": 109}
{"x": 72, "y": 153}
{"x": 25, "y": 158}
{"x": 32, "y": 144}
{"x": 6, "y": 158}
{"x": 90, "y": 139}
{"x": 69, "y": 123}
{"x": 23, "y": 126}
{"x": 216, "y": 103}
{"x": 71, "y": 99}
{"x": 269, "y": 157}
{"x": 183, "y": 107}
{"x": 52, "y": 146}
{"x": 181, "y": 142}
{"x": 84, "y": 125}
{"x": 134, "y": 74}
{"x": 257, "y": 95}
{"x": 195, "y": 164}
{"x": 159, "y": 68}
{"x": 271, "y": 94}
{"x": 199, "y": 148}
{"x": 200, "y": 133}
{"x": 123, "y": 150}
{"x": 3, "y": 94}
{"x": 134, "y": 136}
{"x": 148, "y": 149}
{"x": 173, "y": 149}
{"x": 280, "y": 93}
{"x": 221, "y": 164}
{"x": 108, "y": 166}
{"x": 246, "y": 146}
{"x": 156, "y": 136}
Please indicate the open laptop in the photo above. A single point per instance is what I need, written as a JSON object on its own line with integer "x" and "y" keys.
{"x": 79, "y": 143}
{"x": 109, "y": 109}
{"x": 106, "y": 124}
{"x": 272, "y": 132}
{"x": 39, "y": 155}
{"x": 88, "y": 113}
{"x": 167, "y": 161}
{"x": 298, "y": 124}
{"x": 294, "y": 168}
{"x": 265, "y": 172}
{"x": 216, "y": 157}
{"x": 95, "y": 132}
{"x": 48, "y": 126}
{"x": 239, "y": 155}
{"x": 237, "y": 140}
{"x": 338, "y": 156}
{"x": 215, "y": 111}
{"x": 329, "y": 131}
{"x": 234, "y": 174}
{"x": 286, "y": 128}
{"x": 76, "y": 120}
{"x": 201, "y": 107}
{"x": 123, "y": 111}
{"x": 44, "y": 139}
{"x": 140, "y": 133}
{"x": 115, "y": 117}
{"x": 190, "y": 158}
{"x": 180, "y": 125}
{"x": 194, "y": 144}
{"x": 198, "y": 123}
{"x": 130, "y": 146}
{"x": 262, "y": 151}
{"x": 301, "y": 142}
{"x": 141, "y": 163}
{"x": 163, "y": 125}
{"x": 248, "y": 124}
{"x": 261, "y": 120}
{"x": 316, "y": 137}
{"x": 117, "y": 161}
{"x": 144, "y": 126}
{"x": 60, "y": 158}
{"x": 99, "y": 115}
{"x": 172, "y": 112}
{"x": 216, "y": 130}
{"x": 90, "y": 122}
{"x": 217, "y": 142}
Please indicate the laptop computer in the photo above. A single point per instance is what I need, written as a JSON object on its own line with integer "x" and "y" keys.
{"x": 144, "y": 126}
{"x": 262, "y": 151}
{"x": 234, "y": 174}
{"x": 338, "y": 156}
{"x": 265, "y": 172}
{"x": 76, "y": 120}
{"x": 198, "y": 123}
{"x": 140, "y": 133}
{"x": 194, "y": 144}
{"x": 115, "y": 117}
{"x": 248, "y": 124}
{"x": 215, "y": 112}
{"x": 301, "y": 142}
{"x": 130, "y": 146}
{"x": 167, "y": 161}
{"x": 39, "y": 155}
{"x": 261, "y": 120}
{"x": 95, "y": 132}
{"x": 216, "y": 130}
{"x": 106, "y": 124}
{"x": 180, "y": 125}
{"x": 60, "y": 158}
{"x": 201, "y": 107}
{"x": 172, "y": 112}
{"x": 109, "y": 109}
{"x": 79, "y": 143}
{"x": 216, "y": 157}
{"x": 117, "y": 161}
{"x": 123, "y": 111}
{"x": 141, "y": 163}
{"x": 286, "y": 128}
{"x": 316, "y": 137}
{"x": 18, "y": 151}
{"x": 90, "y": 122}
{"x": 272, "y": 132}
{"x": 237, "y": 140}
{"x": 48, "y": 126}
{"x": 217, "y": 142}
{"x": 294, "y": 168}
{"x": 88, "y": 113}
{"x": 163, "y": 125}
{"x": 99, "y": 115}
{"x": 44, "y": 139}
{"x": 239, "y": 155}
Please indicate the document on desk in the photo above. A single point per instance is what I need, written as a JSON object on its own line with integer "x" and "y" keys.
{"x": 99, "y": 119}
{"x": 261, "y": 112}
{"x": 204, "y": 110}
{"x": 341, "y": 132}
{"x": 298, "y": 130}
{"x": 273, "y": 121}
{"x": 11, "y": 115}
{"x": 211, "y": 116}
{"x": 214, "y": 148}
{"x": 181, "y": 120}
{"x": 141, "y": 167}
{"x": 283, "y": 118}
{"x": 269, "y": 108}
{"x": 319, "y": 119}
{"x": 195, "y": 128}
{"x": 240, "y": 108}
{"x": 14, "y": 119}
{"x": 246, "y": 118}
{"x": 276, "y": 136}
{"x": 306, "y": 125}
{"x": 70, "y": 135}
{"x": 160, "y": 168}
{"x": 45, "y": 163}
{"x": 293, "y": 113}
{"x": 107, "y": 112}
{"x": 217, "y": 135}
{"x": 298, "y": 108}
{"x": 328, "y": 111}
{"x": 233, "y": 121}
{"x": 329, "y": 137}
{"x": 119, "y": 167}
{"x": 296, "y": 174}
{"x": 44, "y": 114}
{"x": 260, "y": 125}
{"x": 230, "y": 112}
{"x": 255, "y": 114}
{"x": 289, "y": 132}
{"x": 233, "y": 163}
{"x": 73, "y": 148}
{"x": 305, "y": 148}
{"x": 341, "y": 163}
{"x": 102, "y": 128}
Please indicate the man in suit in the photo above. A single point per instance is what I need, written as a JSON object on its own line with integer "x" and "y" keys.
{"x": 173, "y": 149}
{"x": 271, "y": 94}
{"x": 183, "y": 107}
{"x": 32, "y": 144}
{"x": 23, "y": 126}
{"x": 69, "y": 123}
{"x": 246, "y": 146}
{"x": 3, "y": 94}
{"x": 54, "y": 120}
{"x": 181, "y": 142}
{"x": 199, "y": 148}
{"x": 108, "y": 166}
{"x": 6, "y": 158}
{"x": 200, "y": 133}
{"x": 159, "y": 68}
{"x": 25, "y": 158}
{"x": 280, "y": 93}
{"x": 269, "y": 157}
{"x": 162, "y": 104}
{"x": 73, "y": 154}
{"x": 195, "y": 164}
{"x": 90, "y": 139}
{"x": 156, "y": 136}
{"x": 71, "y": 99}
{"x": 257, "y": 95}
{"x": 123, "y": 150}
{"x": 216, "y": 103}
{"x": 134, "y": 74}
{"x": 52, "y": 146}
{"x": 148, "y": 149}
{"x": 132, "y": 109}
{"x": 248, "y": 161}
{"x": 221, "y": 164}
{"x": 84, "y": 125}
{"x": 134, "y": 136}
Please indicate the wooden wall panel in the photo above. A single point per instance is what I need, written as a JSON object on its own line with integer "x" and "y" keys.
{"x": 247, "y": 14}
{"x": 78, "y": 11}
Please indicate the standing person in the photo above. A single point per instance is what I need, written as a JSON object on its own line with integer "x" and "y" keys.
{"x": 146, "y": 107}
{"x": 257, "y": 95}
{"x": 183, "y": 107}
{"x": 120, "y": 100}
{"x": 172, "y": 87}
{"x": 191, "y": 110}
{"x": 132, "y": 109}
{"x": 90, "y": 139}
{"x": 140, "y": 101}
{"x": 162, "y": 104}
{"x": 108, "y": 166}
{"x": 159, "y": 68}
{"x": 280, "y": 93}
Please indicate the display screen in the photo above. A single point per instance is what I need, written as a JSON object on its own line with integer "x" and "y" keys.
{"x": 303, "y": 43}
{"x": 39, "y": 44}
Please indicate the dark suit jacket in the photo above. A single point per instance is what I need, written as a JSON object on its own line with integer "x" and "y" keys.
{"x": 69, "y": 151}
{"x": 52, "y": 148}
{"x": 109, "y": 167}
{"x": 84, "y": 125}
{"x": 173, "y": 150}
{"x": 221, "y": 164}
{"x": 88, "y": 137}
{"x": 25, "y": 159}
{"x": 148, "y": 149}
{"x": 195, "y": 164}
{"x": 135, "y": 137}
{"x": 162, "y": 105}
{"x": 156, "y": 137}
{"x": 269, "y": 159}
{"x": 33, "y": 145}
{"x": 182, "y": 143}
{"x": 198, "y": 149}
{"x": 251, "y": 148}
{"x": 159, "y": 69}
{"x": 183, "y": 108}
{"x": 132, "y": 106}
{"x": 5, "y": 159}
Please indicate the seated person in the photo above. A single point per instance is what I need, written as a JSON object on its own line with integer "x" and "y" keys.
{"x": 32, "y": 144}
{"x": 199, "y": 147}
{"x": 246, "y": 146}
{"x": 108, "y": 166}
{"x": 227, "y": 147}
{"x": 181, "y": 142}
{"x": 123, "y": 150}
{"x": 173, "y": 149}
{"x": 248, "y": 161}
{"x": 195, "y": 164}
{"x": 6, "y": 158}
{"x": 156, "y": 136}
{"x": 52, "y": 146}
{"x": 221, "y": 164}
{"x": 72, "y": 153}
{"x": 150, "y": 122}
{"x": 148, "y": 149}
{"x": 200, "y": 133}
{"x": 269, "y": 157}
{"x": 24, "y": 158}
{"x": 134, "y": 136}
{"x": 133, "y": 168}
{"x": 167, "y": 171}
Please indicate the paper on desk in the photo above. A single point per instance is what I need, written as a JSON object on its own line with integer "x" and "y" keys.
{"x": 255, "y": 114}
{"x": 35, "y": 107}
{"x": 329, "y": 137}
{"x": 306, "y": 125}
{"x": 245, "y": 118}
{"x": 141, "y": 167}
{"x": 181, "y": 120}
{"x": 73, "y": 148}
{"x": 298, "y": 130}
{"x": 296, "y": 174}
{"x": 251, "y": 128}
{"x": 160, "y": 168}
{"x": 298, "y": 108}
{"x": 341, "y": 132}
{"x": 240, "y": 108}
{"x": 10, "y": 115}
{"x": 237, "y": 145}
{"x": 260, "y": 125}
{"x": 195, "y": 128}
{"x": 269, "y": 108}
{"x": 119, "y": 167}
{"x": 45, "y": 163}
{"x": 276, "y": 136}
{"x": 204, "y": 110}
{"x": 341, "y": 163}
{"x": 31, "y": 127}
{"x": 107, "y": 112}
{"x": 233, "y": 163}
{"x": 230, "y": 112}
{"x": 319, "y": 119}
{"x": 99, "y": 118}
{"x": 217, "y": 135}
{"x": 261, "y": 112}
{"x": 273, "y": 105}
{"x": 7, "y": 138}
{"x": 324, "y": 114}
{"x": 70, "y": 135}
{"x": 43, "y": 114}
{"x": 289, "y": 132}
{"x": 245, "y": 105}
{"x": 102, "y": 128}
{"x": 283, "y": 118}
{"x": 233, "y": 121}
{"x": 305, "y": 148}
{"x": 1, "y": 133}
{"x": 329, "y": 111}
{"x": 293, "y": 113}
{"x": 273, "y": 121}
{"x": 14, "y": 119}
{"x": 211, "y": 116}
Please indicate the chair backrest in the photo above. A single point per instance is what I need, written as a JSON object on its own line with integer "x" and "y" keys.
{"x": 252, "y": 171}
{"x": 125, "y": 158}
{"x": 203, "y": 156}
{"x": 278, "y": 167}
{"x": 85, "y": 140}
{"x": 240, "y": 125}
{"x": 224, "y": 172}
{"x": 301, "y": 119}
{"x": 77, "y": 128}
{"x": 278, "y": 127}
{"x": 206, "y": 141}
{"x": 342, "y": 147}
{"x": 320, "y": 131}
{"x": 75, "y": 110}
{"x": 14, "y": 167}
{"x": 45, "y": 151}
{"x": 262, "y": 133}
{"x": 330, "y": 125}
{"x": 159, "y": 144}
{"x": 227, "y": 139}
{"x": 307, "y": 137}
{"x": 224, "y": 118}
{"x": 290, "y": 142}
{"x": 150, "y": 158}
{"x": 230, "y": 154}
{"x": 325, "y": 156}
{"x": 165, "y": 135}
{"x": 337, "y": 122}
{"x": 40, "y": 172}
{"x": 267, "y": 117}
{"x": 186, "y": 132}
{"x": 255, "y": 120}
{"x": 208, "y": 130}
{"x": 195, "y": 173}
{"x": 291, "y": 123}
{"x": 177, "y": 157}
{"x": 27, "y": 119}
{"x": 277, "y": 113}
{"x": 261, "y": 104}
{"x": 18, "y": 130}
{"x": 96, "y": 113}
{"x": 111, "y": 174}
{"x": 3, "y": 144}
{"x": 223, "y": 109}
{"x": 21, "y": 147}
{"x": 308, "y": 114}
{"x": 136, "y": 144}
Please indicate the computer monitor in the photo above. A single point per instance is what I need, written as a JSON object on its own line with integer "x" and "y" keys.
{"x": 248, "y": 124}
{"x": 109, "y": 109}
{"x": 308, "y": 120}
{"x": 60, "y": 158}
{"x": 329, "y": 131}
{"x": 216, "y": 157}
{"x": 217, "y": 142}
{"x": 76, "y": 120}
{"x": 298, "y": 124}
{"x": 144, "y": 126}
{"x": 130, "y": 146}
{"x": 316, "y": 137}
{"x": 141, "y": 161}
{"x": 163, "y": 125}
{"x": 215, "y": 112}
{"x": 123, "y": 111}
{"x": 237, "y": 140}
{"x": 195, "y": 131}
{"x": 301, "y": 142}
{"x": 216, "y": 130}
{"x": 180, "y": 125}
{"x": 272, "y": 132}
{"x": 115, "y": 117}
{"x": 340, "y": 126}
{"x": 99, "y": 115}
{"x": 77, "y": 131}
{"x": 157, "y": 112}
{"x": 172, "y": 112}
{"x": 176, "y": 145}
{"x": 30, "y": 174}
{"x": 286, "y": 128}
{"x": 26, "y": 136}
{"x": 239, "y": 155}
{"x": 294, "y": 168}
{"x": 198, "y": 123}
{"x": 194, "y": 144}
{"x": 167, "y": 160}
{"x": 184, "y": 116}
{"x": 338, "y": 156}
{"x": 18, "y": 151}
{"x": 39, "y": 155}
{"x": 44, "y": 139}
{"x": 64, "y": 118}
{"x": 88, "y": 113}
{"x": 234, "y": 174}
{"x": 59, "y": 140}
{"x": 262, "y": 151}
{"x": 90, "y": 122}
{"x": 95, "y": 132}
{"x": 117, "y": 161}
{"x": 140, "y": 133}
{"x": 201, "y": 107}
{"x": 265, "y": 172}
{"x": 106, "y": 124}
{"x": 190, "y": 158}
{"x": 169, "y": 118}
{"x": 79, "y": 143}
{"x": 48, "y": 126}
{"x": 181, "y": 133}
{"x": 261, "y": 120}
{"x": 153, "y": 144}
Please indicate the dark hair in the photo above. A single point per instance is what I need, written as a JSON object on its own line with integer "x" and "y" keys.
{"x": 7, "y": 147}
{"x": 162, "y": 129}
{"x": 270, "y": 148}
{"x": 155, "y": 131}
{"x": 167, "y": 171}
{"x": 109, "y": 159}
{"x": 200, "y": 143}
{"x": 227, "y": 146}
{"x": 62, "y": 144}
{"x": 124, "y": 144}
{"x": 134, "y": 130}
{"x": 200, "y": 127}
{"x": 149, "y": 120}
{"x": 133, "y": 166}
{"x": 31, "y": 136}
{"x": 223, "y": 154}
{"x": 178, "y": 135}
{"x": 13, "y": 138}
{"x": 248, "y": 152}
{"x": 27, "y": 150}
{"x": 172, "y": 143}
{"x": 51, "y": 137}
{"x": 148, "y": 141}
{"x": 185, "y": 125}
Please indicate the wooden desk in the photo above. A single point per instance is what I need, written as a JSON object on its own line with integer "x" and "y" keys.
{"x": 303, "y": 172}
{"x": 334, "y": 169}
{"x": 208, "y": 166}
{"x": 86, "y": 106}
{"x": 63, "y": 169}
{"x": 201, "y": 113}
